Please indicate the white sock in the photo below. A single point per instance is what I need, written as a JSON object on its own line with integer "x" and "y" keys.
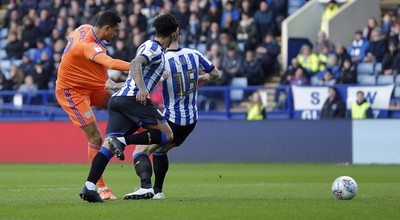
{"x": 90, "y": 185}
{"x": 101, "y": 189}
{"x": 122, "y": 139}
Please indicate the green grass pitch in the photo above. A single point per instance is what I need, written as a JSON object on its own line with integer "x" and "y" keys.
{"x": 203, "y": 191}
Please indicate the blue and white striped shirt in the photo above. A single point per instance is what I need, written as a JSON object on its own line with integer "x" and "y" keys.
{"x": 152, "y": 72}
{"x": 180, "y": 89}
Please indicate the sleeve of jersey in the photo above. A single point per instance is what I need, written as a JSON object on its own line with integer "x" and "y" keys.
{"x": 151, "y": 55}
{"x": 205, "y": 64}
{"x": 96, "y": 54}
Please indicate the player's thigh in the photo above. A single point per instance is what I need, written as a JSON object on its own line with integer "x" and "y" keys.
{"x": 100, "y": 98}
{"x": 180, "y": 132}
{"x": 76, "y": 105}
{"x": 119, "y": 121}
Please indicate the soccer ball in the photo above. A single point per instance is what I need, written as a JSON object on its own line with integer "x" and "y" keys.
{"x": 344, "y": 188}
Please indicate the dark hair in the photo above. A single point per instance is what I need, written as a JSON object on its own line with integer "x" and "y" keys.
{"x": 165, "y": 25}
{"x": 360, "y": 92}
{"x": 108, "y": 18}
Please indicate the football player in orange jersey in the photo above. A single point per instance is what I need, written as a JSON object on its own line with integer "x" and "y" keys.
{"x": 83, "y": 80}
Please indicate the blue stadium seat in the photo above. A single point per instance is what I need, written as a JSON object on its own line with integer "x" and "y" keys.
{"x": 366, "y": 79}
{"x": 385, "y": 79}
{"x": 3, "y": 54}
{"x": 238, "y": 94}
{"x": 377, "y": 68}
{"x": 365, "y": 68}
{"x": 3, "y": 33}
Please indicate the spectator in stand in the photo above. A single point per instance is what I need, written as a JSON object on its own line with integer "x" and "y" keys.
{"x": 247, "y": 33}
{"x": 252, "y": 69}
{"x": 193, "y": 31}
{"x": 247, "y": 7}
{"x": 256, "y": 109}
{"x": 29, "y": 85}
{"x": 299, "y": 78}
{"x": 321, "y": 42}
{"x": 41, "y": 47}
{"x": 361, "y": 108}
{"x": 358, "y": 47}
{"x": 328, "y": 79}
{"x": 213, "y": 35}
{"x": 27, "y": 5}
{"x": 141, "y": 19}
{"x": 30, "y": 33}
{"x": 371, "y": 25}
{"x": 386, "y": 24}
{"x": 323, "y": 57}
{"x": 225, "y": 42}
{"x": 27, "y": 65}
{"x": 230, "y": 11}
{"x": 330, "y": 10}
{"x": 182, "y": 14}
{"x": 290, "y": 72}
{"x": 75, "y": 11}
{"x": 308, "y": 60}
{"x": 121, "y": 51}
{"x": 331, "y": 65}
{"x": 334, "y": 107}
{"x": 41, "y": 77}
{"x": 286, "y": 80}
{"x": 204, "y": 32}
{"x": 14, "y": 47}
{"x": 279, "y": 8}
{"x": 214, "y": 15}
{"x": 12, "y": 14}
{"x": 348, "y": 73}
{"x": 267, "y": 52}
{"x": 232, "y": 62}
{"x": 16, "y": 77}
{"x": 377, "y": 47}
{"x": 88, "y": 16}
{"x": 391, "y": 60}
{"x": 214, "y": 52}
{"x": 264, "y": 19}
{"x": 45, "y": 24}
{"x": 4, "y": 84}
{"x": 230, "y": 27}
{"x": 341, "y": 54}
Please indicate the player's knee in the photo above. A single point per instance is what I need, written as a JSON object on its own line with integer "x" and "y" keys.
{"x": 95, "y": 139}
{"x": 169, "y": 136}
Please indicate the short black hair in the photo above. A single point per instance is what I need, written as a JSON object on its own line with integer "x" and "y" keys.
{"x": 165, "y": 25}
{"x": 108, "y": 18}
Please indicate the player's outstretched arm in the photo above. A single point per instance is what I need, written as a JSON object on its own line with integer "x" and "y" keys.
{"x": 214, "y": 74}
{"x": 111, "y": 85}
{"x": 111, "y": 63}
{"x": 137, "y": 75}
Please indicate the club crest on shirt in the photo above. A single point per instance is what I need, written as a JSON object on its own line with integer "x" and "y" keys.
{"x": 88, "y": 114}
{"x": 97, "y": 48}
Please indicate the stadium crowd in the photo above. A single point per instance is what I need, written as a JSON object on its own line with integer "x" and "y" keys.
{"x": 236, "y": 35}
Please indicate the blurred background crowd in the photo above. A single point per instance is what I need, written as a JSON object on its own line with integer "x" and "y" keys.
{"x": 242, "y": 38}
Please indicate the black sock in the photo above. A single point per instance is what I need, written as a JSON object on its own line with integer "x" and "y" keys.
{"x": 160, "y": 165}
{"x": 99, "y": 164}
{"x": 143, "y": 169}
{"x": 151, "y": 136}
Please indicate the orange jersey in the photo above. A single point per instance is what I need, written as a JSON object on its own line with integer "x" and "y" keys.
{"x": 84, "y": 62}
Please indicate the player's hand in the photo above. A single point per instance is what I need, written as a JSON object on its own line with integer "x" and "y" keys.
{"x": 142, "y": 96}
{"x": 203, "y": 79}
{"x": 165, "y": 75}
{"x": 110, "y": 84}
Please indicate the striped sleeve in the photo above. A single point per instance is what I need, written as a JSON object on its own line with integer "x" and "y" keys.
{"x": 205, "y": 64}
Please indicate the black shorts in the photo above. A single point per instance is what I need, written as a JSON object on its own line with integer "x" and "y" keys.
{"x": 126, "y": 115}
{"x": 180, "y": 132}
